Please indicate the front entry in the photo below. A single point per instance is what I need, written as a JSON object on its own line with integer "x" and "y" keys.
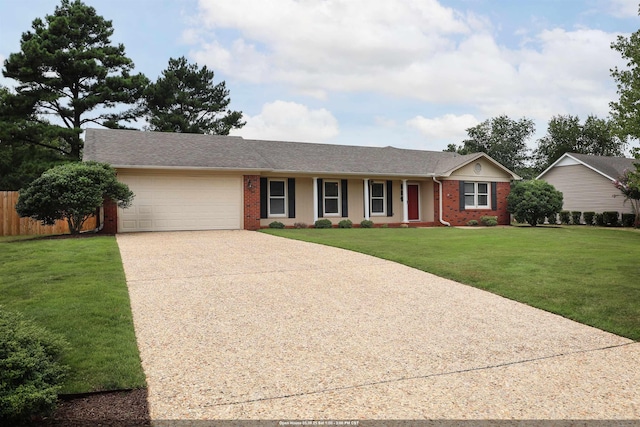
{"x": 413, "y": 201}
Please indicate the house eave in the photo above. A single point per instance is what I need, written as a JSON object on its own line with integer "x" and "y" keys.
{"x": 190, "y": 168}
{"x": 576, "y": 160}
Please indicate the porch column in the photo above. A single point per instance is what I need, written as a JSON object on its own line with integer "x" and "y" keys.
{"x": 366, "y": 199}
{"x": 405, "y": 202}
{"x": 315, "y": 199}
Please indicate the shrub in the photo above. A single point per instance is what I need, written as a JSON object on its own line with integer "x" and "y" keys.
{"x": 628, "y": 220}
{"x": 610, "y": 218}
{"x": 323, "y": 223}
{"x": 30, "y": 368}
{"x": 366, "y": 224}
{"x": 72, "y": 192}
{"x": 489, "y": 221}
{"x": 300, "y": 225}
{"x": 276, "y": 224}
{"x": 384, "y": 225}
{"x": 565, "y": 217}
{"x": 589, "y": 217}
{"x": 472, "y": 223}
{"x": 552, "y": 218}
{"x": 575, "y": 217}
{"x": 345, "y": 223}
{"x": 599, "y": 219}
{"x": 529, "y": 201}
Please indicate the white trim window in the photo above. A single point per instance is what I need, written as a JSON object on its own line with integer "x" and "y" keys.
{"x": 277, "y": 198}
{"x": 476, "y": 195}
{"x": 378, "y": 196}
{"x": 331, "y": 198}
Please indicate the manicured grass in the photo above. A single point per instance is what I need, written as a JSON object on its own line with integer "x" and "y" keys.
{"x": 76, "y": 287}
{"x": 591, "y": 275}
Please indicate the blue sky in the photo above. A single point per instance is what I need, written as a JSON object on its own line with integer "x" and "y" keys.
{"x": 411, "y": 74}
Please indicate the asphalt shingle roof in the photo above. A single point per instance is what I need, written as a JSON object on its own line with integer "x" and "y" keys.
{"x": 130, "y": 148}
{"x": 613, "y": 167}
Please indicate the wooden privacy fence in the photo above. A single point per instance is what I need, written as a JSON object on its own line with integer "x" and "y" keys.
{"x": 12, "y": 225}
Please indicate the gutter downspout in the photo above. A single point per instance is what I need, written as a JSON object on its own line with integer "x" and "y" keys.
{"x": 442, "y": 221}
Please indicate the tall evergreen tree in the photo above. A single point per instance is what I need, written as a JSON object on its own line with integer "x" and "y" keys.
{"x": 69, "y": 74}
{"x": 185, "y": 99}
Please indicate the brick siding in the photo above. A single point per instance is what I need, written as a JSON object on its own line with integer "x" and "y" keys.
{"x": 110, "y": 219}
{"x": 252, "y": 202}
{"x": 451, "y": 205}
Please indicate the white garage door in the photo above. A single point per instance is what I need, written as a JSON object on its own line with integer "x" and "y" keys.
{"x": 166, "y": 202}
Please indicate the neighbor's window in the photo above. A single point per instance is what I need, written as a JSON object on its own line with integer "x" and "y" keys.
{"x": 277, "y": 197}
{"x": 476, "y": 195}
{"x": 331, "y": 197}
{"x": 377, "y": 198}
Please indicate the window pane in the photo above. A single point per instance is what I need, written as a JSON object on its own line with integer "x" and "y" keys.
{"x": 377, "y": 190}
{"x": 276, "y": 188}
{"x": 483, "y": 200}
{"x": 331, "y": 189}
{"x": 377, "y": 205}
{"x": 469, "y": 188}
{"x": 483, "y": 188}
{"x": 277, "y": 206}
{"x": 331, "y": 205}
{"x": 469, "y": 200}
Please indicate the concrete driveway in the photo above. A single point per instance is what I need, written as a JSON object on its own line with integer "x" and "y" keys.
{"x": 243, "y": 325}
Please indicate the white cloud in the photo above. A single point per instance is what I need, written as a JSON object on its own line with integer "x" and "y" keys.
{"x": 449, "y": 127}
{"x": 408, "y": 49}
{"x": 624, "y": 8}
{"x": 289, "y": 121}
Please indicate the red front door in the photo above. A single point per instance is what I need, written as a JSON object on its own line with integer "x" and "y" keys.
{"x": 412, "y": 202}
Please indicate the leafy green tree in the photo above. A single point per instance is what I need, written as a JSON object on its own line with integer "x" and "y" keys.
{"x": 629, "y": 186}
{"x": 533, "y": 201}
{"x": 502, "y": 138}
{"x": 69, "y": 74}
{"x": 185, "y": 99}
{"x": 72, "y": 191}
{"x": 626, "y": 111}
{"x": 565, "y": 134}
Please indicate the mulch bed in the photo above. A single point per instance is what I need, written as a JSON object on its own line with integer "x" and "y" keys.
{"x": 110, "y": 409}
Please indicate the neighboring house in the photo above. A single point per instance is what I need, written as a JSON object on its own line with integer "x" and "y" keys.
{"x": 586, "y": 182}
{"x": 197, "y": 182}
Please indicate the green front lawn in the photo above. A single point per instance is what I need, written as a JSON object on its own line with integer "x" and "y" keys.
{"x": 591, "y": 275}
{"x": 76, "y": 287}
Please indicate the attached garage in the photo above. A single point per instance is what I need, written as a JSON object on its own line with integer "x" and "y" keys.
{"x": 169, "y": 201}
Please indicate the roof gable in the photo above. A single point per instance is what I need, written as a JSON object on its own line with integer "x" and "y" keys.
{"x": 137, "y": 149}
{"x": 609, "y": 167}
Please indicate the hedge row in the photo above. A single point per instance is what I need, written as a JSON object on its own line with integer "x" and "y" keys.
{"x": 604, "y": 219}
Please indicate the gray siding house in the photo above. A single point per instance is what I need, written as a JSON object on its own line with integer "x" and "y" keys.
{"x": 587, "y": 182}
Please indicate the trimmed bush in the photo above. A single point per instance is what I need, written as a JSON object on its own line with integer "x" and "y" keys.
{"x": 565, "y": 217}
{"x": 628, "y": 220}
{"x": 610, "y": 218}
{"x": 30, "y": 370}
{"x": 472, "y": 223}
{"x": 300, "y": 225}
{"x": 323, "y": 223}
{"x": 576, "y": 217}
{"x": 589, "y": 217}
{"x": 366, "y": 224}
{"x": 530, "y": 201}
{"x": 489, "y": 221}
{"x": 552, "y": 218}
{"x": 276, "y": 224}
{"x": 599, "y": 220}
{"x": 345, "y": 223}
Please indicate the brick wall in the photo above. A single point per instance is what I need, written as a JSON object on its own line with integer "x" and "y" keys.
{"x": 110, "y": 217}
{"x": 451, "y": 204}
{"x": 252, "y": 202}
